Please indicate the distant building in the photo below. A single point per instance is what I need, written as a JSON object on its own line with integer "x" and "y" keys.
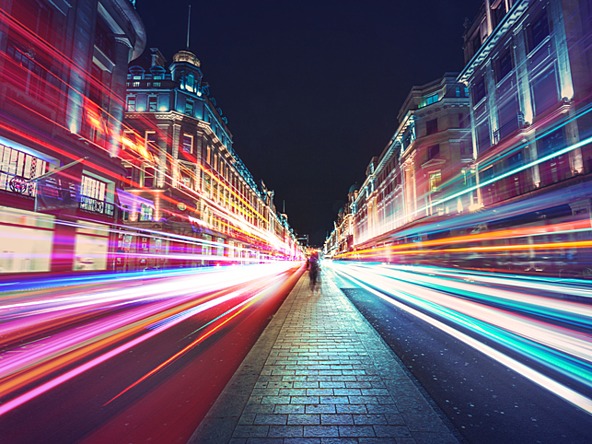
{"x": 62, "y": 85}
{"x": 184, "y": 178}
{"x": 424, "y": 163}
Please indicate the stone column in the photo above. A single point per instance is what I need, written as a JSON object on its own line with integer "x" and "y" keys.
{"x": 117, "y": 103}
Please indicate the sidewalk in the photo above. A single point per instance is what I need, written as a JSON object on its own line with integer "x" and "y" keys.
{"x": 320, "y": 373}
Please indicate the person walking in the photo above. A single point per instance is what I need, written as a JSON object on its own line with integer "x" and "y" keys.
{"x": 313, "y": 271}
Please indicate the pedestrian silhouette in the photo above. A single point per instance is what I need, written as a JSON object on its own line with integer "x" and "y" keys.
{"x": 312, "y": 264}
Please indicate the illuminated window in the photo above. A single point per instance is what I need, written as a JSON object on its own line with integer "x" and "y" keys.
{"x": 428, "y": 100}
{"x": 435, "y": 180}
{"x": 93, "y": 194}
{"x": 190, "y": 85}
{"x": 152, "y": 103}
{"x": 189, "y": 107}
{"x": 15, "y": 165}
{"x": 131, "y": 103}
{"x": 146, "y": 212}
{"x": 94, "y": 188}
{"x": 187, "y": 143}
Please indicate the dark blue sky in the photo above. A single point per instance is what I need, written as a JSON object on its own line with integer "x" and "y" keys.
{"x": 312, "y": 88}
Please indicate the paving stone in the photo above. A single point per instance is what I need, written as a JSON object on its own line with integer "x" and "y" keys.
{"x": 287, "y": 431}
{"x": 337, "y": 419}
{"x": 270, "y": 419}
{"x": 339, "y": 440}
{"x": 356, "y": 431}
{"x": 320, "y": 431}
{"x": 302, "y": 441}
{"x": 288, "y": 408}
{"x": 307, "y": 419}
{"x": 369, "y": 419}
{"x": 321, "y": 374}
{"x": 315, "y": 408}
{"x": 304, "y": 400}
{"x": 351, "y": 408}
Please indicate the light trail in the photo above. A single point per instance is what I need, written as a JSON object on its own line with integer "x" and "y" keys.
{"x": 116, "y": 317}
{"x": 554, "y": 332}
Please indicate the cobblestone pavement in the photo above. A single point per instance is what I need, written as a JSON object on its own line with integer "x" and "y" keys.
{"x": 320, "y": 373}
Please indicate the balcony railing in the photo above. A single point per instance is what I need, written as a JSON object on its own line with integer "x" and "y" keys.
{"x": 96, "y": 206}
{"x": 17, "y": 184}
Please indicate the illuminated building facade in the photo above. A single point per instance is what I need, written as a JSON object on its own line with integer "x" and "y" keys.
{"x": 528, "y": 70}
{"x": 185, "y": 181}
{"x": 425, "y": 161}
{"x": 513, "y": 193}
{"x": 62, "y": 85}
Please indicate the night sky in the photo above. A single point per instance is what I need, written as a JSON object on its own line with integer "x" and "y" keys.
{"x": 312, "y": 88}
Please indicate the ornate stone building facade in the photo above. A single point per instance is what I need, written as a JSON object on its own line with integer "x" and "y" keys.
{"x": 190, "y": 198}
{"x": 62, "y": 85}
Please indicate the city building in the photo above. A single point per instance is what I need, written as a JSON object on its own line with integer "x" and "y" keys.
{"x": 528, "y": 70}
{"x": 62, "y": 87}
{"x": 189, "y": 198}
{"x": 420, "y": 173}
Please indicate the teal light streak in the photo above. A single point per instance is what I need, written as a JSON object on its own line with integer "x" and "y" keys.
{"x": 554, "y": 359}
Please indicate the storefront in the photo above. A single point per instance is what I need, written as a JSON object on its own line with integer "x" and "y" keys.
{"x": 26, "y": 240}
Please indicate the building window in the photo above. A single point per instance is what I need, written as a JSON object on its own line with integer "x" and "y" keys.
{"x": 129, "y": 174}
{"x": 508, "y": 117}
{"x": 94, "y": 188}
{"x": 479, "y": 90}
{"x": 16, "y": 170}
{"x": 538, "y": 31}
{"x": 465, "y": 149}
{"x": 131, "y": 103}
{"x": 152, "y": 103}
{"x": 545, "y": 91}
{"x": 428, "y": 100}
{"x": 146, "y": 212}
{"x": 149, "y": 176}
{"x": 551, "y": 143}
{"x": 483, "y": 136}
{"x": 431, "y": 126}
{"x": 93, "y": 194}
{"x": 435, "y": 180}
{"x": 189, "y": 107}
{"x": 104, "y": 38}
{"x": 503, "y": 64}
{"x": 433, "y": 151}
{"x": 187, "y": 143}
{"x": 151, "y": 140}
{"x": 463, "y": 120}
